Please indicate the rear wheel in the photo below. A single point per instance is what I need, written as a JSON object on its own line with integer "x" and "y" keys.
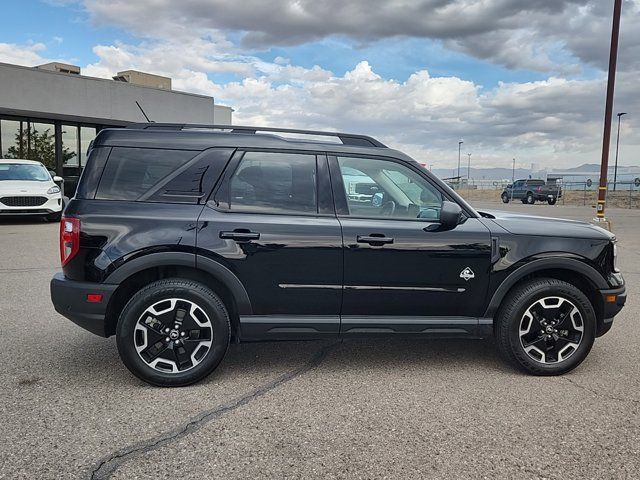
{"x": 546, "y": 327}
{"x": 530, "y": 199}
{"x": 552, "y": 200}
{"x": 173, "y": 332}
{"x": 505, "y": 198}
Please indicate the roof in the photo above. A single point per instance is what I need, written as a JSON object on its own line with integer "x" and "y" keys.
{"x": 200, "y": 137}
{"x": 20, "y": 160}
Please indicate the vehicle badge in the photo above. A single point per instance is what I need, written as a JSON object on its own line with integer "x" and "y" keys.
{"x": 467, "y": 274}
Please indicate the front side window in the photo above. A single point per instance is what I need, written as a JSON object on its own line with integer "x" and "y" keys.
{"x": 266, "y": 182}
{"x": 383, "y": 188}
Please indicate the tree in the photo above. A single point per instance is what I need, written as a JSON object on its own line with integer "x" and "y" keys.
{"x": 41, "y": 146}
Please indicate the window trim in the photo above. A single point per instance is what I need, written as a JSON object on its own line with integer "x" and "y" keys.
{"x": 340, "y": 195}
{"x": 220, "y": 199}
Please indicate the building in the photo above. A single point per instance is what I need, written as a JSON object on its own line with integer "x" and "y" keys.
{"x": 51, "y": 112}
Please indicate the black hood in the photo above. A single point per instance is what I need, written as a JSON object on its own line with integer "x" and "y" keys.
{"x": 523, "y": 224}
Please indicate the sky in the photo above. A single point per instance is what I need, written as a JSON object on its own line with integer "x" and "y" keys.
{"x": 510, "y": 78}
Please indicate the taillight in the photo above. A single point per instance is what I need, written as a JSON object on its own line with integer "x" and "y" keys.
{"x": 69, "y": 238}
{"x": 539, "y": 189}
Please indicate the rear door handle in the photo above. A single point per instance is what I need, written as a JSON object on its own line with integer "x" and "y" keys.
{"x": 240, "y": 235}
{"x": 374, "y": 239}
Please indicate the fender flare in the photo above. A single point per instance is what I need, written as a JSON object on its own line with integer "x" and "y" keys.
{"x": 183, "y": 259}
{"x": 585, "y": 271}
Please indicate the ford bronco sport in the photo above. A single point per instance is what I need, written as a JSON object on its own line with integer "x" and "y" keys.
{"x": 183, "y": 238}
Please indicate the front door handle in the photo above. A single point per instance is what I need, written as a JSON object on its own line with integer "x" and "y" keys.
{"x": 241, "y": 235}
{"x": 375, "y": 239}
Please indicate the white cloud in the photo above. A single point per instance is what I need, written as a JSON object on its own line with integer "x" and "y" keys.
{"x": 565, "y": 33}
{"x": 556, "y": 121}
{"x": 28, "y": 55}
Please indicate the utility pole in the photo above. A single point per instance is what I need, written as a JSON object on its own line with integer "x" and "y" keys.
{"x": 513, "y": 171}
{"x": 608, "y": 111}
{"x": 469, "y": 171}
{"x": 459, "y": 148}
{"x": 615, "y": 170}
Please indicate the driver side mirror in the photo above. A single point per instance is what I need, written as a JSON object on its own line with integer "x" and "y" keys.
{"x": 56, "y": 178}
{"x": 450, "y": 215}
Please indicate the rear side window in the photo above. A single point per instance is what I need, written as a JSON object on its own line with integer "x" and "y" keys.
{"x": 274, "y": 183}
{"x": 131, "y": 172}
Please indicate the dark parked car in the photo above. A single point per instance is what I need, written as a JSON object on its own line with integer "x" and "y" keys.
{"x": 531, "y": 190}
{"x": 181, "y": 239}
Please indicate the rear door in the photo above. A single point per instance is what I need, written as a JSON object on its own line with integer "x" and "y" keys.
{"x": 272, "y": 223}
{"x": 401, "y": 273}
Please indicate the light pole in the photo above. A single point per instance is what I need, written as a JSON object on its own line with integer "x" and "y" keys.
{"x": 459, "y": 148}
{"x": 608, "y": 111}
{"x": 469, "y": 171}
{"x": 513, "y": 171}
{"x": 615, "y": 170}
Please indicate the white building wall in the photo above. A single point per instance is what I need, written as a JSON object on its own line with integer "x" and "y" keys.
{"x": 28, "y": 91}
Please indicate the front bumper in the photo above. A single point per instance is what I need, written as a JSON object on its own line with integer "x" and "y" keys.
{"x": 69, "y": 298}
{"x": 612, "y": 300}
{"x": 52, "y": 205}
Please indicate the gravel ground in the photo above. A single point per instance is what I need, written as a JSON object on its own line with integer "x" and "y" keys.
{"x": 387, "y": 408}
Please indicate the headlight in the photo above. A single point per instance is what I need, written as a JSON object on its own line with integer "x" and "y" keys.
{"x": 615, "y": 257}
{"x": 53, "y": 190}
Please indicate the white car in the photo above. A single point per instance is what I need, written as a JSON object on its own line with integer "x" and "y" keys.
{"x": 27, "y": 188}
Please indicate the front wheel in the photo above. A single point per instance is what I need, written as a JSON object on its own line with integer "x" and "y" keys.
{"x": 545, "y": 327}
{"x": 173, "y": 332}
{"x": 552, "y": 200}
{"x": 505, "y": 198}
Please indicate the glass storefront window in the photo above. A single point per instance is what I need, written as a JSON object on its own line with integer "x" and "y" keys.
{"x": 42, "y": 144}
{"x": 13, "y": 142}
{"x": 86, "y": 135}
{"x": 70, "y": 146}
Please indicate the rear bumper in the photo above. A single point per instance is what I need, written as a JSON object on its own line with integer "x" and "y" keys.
{"x": 544, "y": 196}
{"x": 612, "y": 300}
{"x": 69, "y": 298}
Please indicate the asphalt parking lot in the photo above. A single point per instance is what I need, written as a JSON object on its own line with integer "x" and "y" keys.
{"x": 393, "y": 408}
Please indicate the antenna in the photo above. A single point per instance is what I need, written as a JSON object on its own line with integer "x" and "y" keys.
{"x": 145, "y": 115}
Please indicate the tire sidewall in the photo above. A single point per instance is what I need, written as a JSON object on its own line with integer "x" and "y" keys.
{"x": 588, "y": 336}
{"x": 505, "y": 198}
{"x": 155, "y": 292}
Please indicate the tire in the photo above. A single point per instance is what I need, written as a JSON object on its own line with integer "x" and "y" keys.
{"x": 552, "y": 200}
{"x": 505, "y": 198}
{"x": 523, "y": 200}
{"x": 530, "y": 199}
{"x": 518, "y": 313}
{"x": 54, "y": 217}
{"x": 182, "y": 355}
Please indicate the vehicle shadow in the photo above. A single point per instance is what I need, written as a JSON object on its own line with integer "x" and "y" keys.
{"x": 97, "y": 358}
{"x": 24, "y": 220}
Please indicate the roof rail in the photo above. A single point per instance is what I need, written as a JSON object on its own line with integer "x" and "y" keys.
{"x": 345, "y": 138}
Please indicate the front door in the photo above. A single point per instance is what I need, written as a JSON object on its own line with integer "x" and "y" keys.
{"x": 272, "y": 223}
{"x": 401, "y": 272}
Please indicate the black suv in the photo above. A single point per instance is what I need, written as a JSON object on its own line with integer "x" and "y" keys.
{"x": 182, "y": 238}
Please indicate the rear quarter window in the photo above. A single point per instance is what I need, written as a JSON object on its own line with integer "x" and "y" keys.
{"x": 131, "y": 172}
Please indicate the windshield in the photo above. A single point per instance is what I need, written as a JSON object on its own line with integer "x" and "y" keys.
{"x": 24, "y": 171}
